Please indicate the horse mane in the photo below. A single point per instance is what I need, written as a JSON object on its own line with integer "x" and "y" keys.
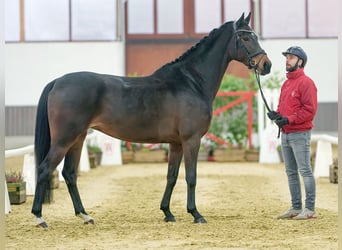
{"x": 205, "y": 40}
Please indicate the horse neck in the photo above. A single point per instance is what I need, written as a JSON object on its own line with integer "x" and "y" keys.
{"x": 207, "y": 64}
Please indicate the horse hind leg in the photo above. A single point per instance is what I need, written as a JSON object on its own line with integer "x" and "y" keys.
{"x": 43, "y": 192}
{"x": 69, "y": 173}
{"x": 191, "y": 148}
{"x": 175, "y": 157}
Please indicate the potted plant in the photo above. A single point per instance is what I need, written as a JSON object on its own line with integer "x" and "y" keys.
{"x": 150, "y": 153}
{"x": 252, "y": 154}
{"x": 55, "y": 179}
{"x": 273, "y": 82}
{"x": 95, "y": 155}
{"x": 280, "y": 152}
{"x": 203, "y": 154}
{"x": 127, "y": 153}
{"x": 231, "y": 125}
{"x": 333, "y": 171}
{"x": 16, "y": 187}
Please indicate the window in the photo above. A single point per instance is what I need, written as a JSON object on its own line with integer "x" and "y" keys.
{"x": 152, "y": 17}
{"x": 93, "y": 20}
{"x": 230, "y": 9}
{"x": 46, "y": 20}
{"x": 205, "y": 22}
{"x": 233, "y": 9}
{"x": 12, "y": 20}
{"x": 180, "y": 18}
{"x": 280, "y": 19}
{"x": 170, "y": 17}
{"x": 308, "y": 19}
{"x": 141, "y": 17}
{"x": 322, "y": 23}
{"x": 61, "y": 20}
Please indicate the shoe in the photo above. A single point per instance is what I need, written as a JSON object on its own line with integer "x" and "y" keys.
{"x": 305, "y": 215}
{"x": 289, "y": 214}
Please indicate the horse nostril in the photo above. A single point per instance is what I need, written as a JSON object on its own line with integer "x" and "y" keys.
{"x": 267, "y": 67}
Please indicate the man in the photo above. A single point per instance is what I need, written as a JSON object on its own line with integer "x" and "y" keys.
{"x": 296, "y": 110}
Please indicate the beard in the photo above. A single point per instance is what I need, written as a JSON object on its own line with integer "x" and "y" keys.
{"x": 290, "y": 68}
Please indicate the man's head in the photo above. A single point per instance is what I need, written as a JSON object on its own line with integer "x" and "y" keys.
{"x": 295, "y": 58}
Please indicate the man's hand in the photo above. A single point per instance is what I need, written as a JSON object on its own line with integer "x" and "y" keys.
{"x": 273, "y": 115}
{"x": 282, "y": 121}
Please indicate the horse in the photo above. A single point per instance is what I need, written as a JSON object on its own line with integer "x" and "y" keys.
{"x": 172, "y": 105}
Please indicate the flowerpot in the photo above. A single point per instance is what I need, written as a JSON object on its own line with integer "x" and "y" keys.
{"x": 55, "y": 179}
{"x": 252, "y": 155}
{"x": 98, "y": 157}
{"x": 202, "y": 156}
{"x": 92, "y": 161}
{"x": 17, "y": 192}
{"x": 229, "y": 155}
{"x": 127, "y": 156}
{"x": 280, "y": 152}
{"x": 333, "y": 171}
{"x": 150, "y": 156}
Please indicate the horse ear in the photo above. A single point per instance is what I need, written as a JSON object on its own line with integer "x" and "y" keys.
{"x": 240, "y": 20}
{"x": 248, "y": 18}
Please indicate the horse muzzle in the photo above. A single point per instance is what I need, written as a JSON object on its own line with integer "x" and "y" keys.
{"x": 266, "y": 68}
{"x": 261, "y": 63}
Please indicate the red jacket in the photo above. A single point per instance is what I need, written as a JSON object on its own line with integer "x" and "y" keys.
{"x": 298, "y": 101}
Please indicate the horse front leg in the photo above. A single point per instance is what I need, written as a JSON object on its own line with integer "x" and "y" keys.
{"x": 175, "y": 157}
{"x": 69, "y": 173}
{"x": 191, "y": 148}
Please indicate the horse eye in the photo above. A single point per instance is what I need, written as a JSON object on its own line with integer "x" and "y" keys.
{"x": 246, "y": 38}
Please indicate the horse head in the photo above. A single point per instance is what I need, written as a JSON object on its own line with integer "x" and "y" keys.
{"x": 247, "y": 48}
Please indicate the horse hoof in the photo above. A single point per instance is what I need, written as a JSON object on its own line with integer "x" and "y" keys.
{"x": 42, "y": 225}
{"x": 169, "y": 219}
{"x": 200, "y": 220}
{"x": 91, "y": 221}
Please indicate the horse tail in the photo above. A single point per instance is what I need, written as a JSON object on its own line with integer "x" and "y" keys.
{"x": 42, "y": 138}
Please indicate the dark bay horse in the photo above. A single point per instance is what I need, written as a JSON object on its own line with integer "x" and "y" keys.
{"x": 173, "y": 105}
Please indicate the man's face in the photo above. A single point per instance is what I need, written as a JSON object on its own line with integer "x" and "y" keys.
{"x": 291, "y": 61}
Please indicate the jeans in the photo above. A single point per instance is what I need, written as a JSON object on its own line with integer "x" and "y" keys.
{"x": 296, "y": 152}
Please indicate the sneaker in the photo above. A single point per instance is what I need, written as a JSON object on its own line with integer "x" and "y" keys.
{"x": 305, "y": 215}
{"x": 289, "y": 214}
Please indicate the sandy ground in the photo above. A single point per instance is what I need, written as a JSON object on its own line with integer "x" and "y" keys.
{"x": 240, "y": 201}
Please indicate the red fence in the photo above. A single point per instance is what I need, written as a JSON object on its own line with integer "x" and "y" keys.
{"x": 244, "y": 96}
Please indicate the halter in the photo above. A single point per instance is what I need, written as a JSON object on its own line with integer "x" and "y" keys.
{"x": 250, "y": 63}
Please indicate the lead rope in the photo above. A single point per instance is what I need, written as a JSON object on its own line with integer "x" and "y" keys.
{"x": 257, "y": 76}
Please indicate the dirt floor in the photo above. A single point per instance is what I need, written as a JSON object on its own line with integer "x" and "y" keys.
{"x": 240, "y": 201}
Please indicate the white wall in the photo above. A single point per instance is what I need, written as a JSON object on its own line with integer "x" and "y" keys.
{"x": 30, "y": 66}
{"x": 322, "y": 65}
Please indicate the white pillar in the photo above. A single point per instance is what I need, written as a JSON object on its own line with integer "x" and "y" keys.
{"x": 323, "y": 159}
{"x": 111, "y": 149}
{"x": 29, "y": 173}
{"x": 84, "y": 161}
{"x": 7, "y": 201}
{"x": 268, "y": 145}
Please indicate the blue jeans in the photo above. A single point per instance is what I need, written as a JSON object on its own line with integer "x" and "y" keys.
{"x": 296, "y": 152}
